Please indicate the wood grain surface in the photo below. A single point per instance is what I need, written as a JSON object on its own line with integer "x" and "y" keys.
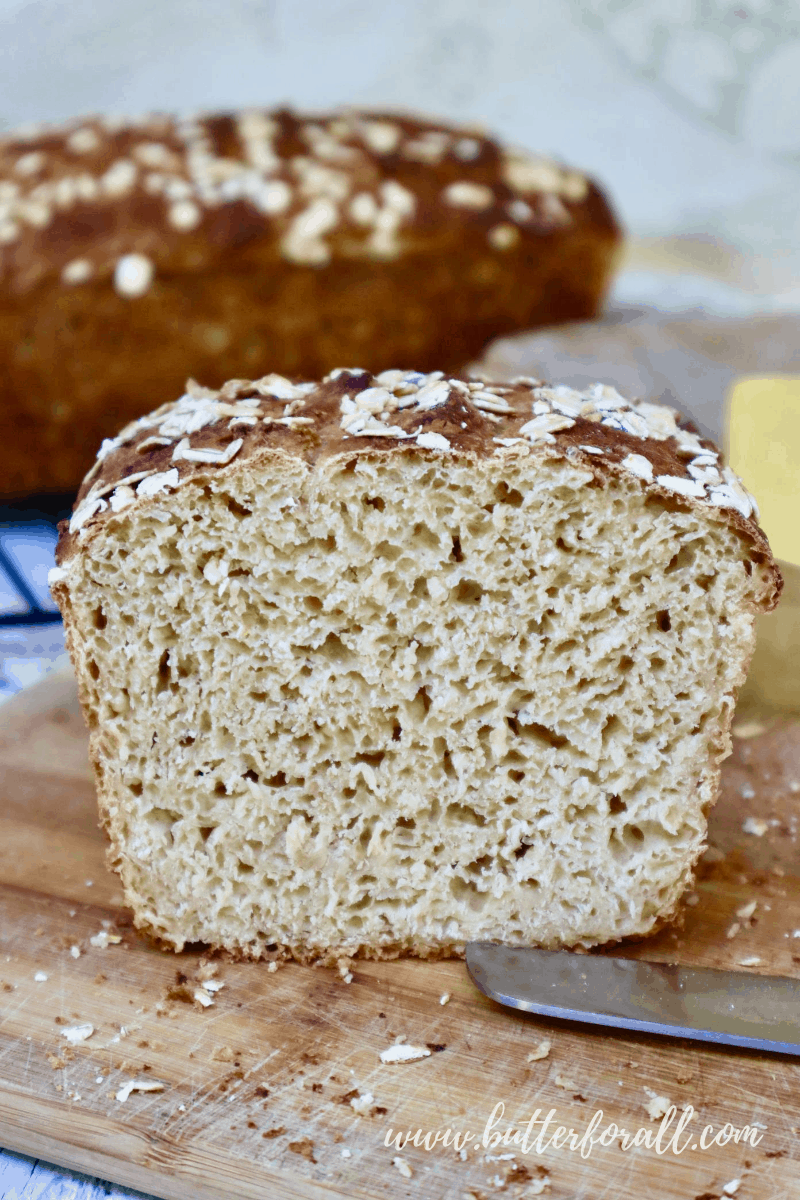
{"x": 277, "y": 1089}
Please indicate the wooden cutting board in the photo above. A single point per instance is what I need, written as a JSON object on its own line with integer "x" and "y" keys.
{"x": 276, "y": 1089}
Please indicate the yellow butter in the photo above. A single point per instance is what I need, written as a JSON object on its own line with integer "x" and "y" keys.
{"x": 762, "y": 430}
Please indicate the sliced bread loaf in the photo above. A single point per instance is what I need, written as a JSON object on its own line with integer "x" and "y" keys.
{"x": 386, "y": 664}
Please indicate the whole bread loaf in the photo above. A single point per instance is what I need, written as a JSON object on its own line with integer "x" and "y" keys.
{"x": 386, "y": 664}
{"x": 135, "y": 253}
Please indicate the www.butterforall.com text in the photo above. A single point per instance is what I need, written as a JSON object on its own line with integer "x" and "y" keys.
{"x": 542, "y": 1132}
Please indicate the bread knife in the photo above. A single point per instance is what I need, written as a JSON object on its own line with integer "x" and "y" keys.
{"x": 760, "y": 1012}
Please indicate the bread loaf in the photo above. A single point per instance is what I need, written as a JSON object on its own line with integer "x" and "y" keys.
{"x": 386, "y": 664}
{"x": 135, "y": 253}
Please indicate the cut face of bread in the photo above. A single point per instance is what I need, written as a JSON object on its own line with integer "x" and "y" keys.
{"x": 393, "y": 700}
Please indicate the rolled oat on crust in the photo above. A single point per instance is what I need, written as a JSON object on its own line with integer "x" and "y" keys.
{"x": 385, "y": 664}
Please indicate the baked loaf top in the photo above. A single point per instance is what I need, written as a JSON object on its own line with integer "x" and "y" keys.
{"x": 107, "y": 197}
{"x": 352, "y": 412}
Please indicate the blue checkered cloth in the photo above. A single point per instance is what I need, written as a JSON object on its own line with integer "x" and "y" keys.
{"x": 31, "y": 634}
{"x": 23, "y": 1178}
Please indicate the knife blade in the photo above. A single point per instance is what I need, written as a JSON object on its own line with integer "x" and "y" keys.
{"x": 760, "y": 1012}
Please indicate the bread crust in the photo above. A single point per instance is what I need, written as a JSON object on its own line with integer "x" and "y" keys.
{"x": 135, "y": 253}
{"x": 305, "y": 422}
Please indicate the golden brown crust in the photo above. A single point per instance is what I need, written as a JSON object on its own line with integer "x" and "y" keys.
{"x": 133, "y": 254}
{"x": 186, "y": 193}
{"x": 352, "y": 412}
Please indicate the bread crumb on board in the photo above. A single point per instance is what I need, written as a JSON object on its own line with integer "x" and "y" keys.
{"x": 657, "y": 1105}
{"x": 222, "y": 1054}
{"x": 78, "y": 1033}
{"x": 104, "y": 939}
{"x": 206, "y": 971}
{"x": 540, "y": 1051}
{"x": 404, "y": 1054}
{"x": 138, "y": 1085}
{"x": 538, "y": 1187}
{"x": 304, "y": 1147}
{"x": 402, "y": 1166}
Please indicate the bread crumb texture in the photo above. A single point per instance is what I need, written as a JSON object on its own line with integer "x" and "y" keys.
{"x": 360, "y": 693}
